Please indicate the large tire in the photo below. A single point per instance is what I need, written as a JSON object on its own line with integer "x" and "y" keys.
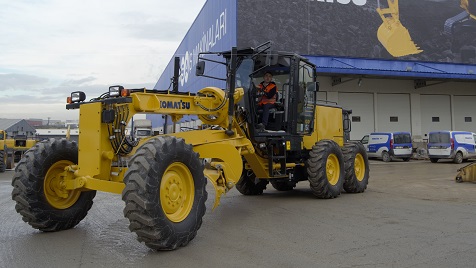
{"x": 36, "y": 183}
{"x": 249, "y": 184}
{"x": 3, "y": 163}
{"x": 10, "y": 162}
{"x": 386, "y": 157}
{"x": 165, "y": 193}
{"x": 458, "y": 158}
{"x": 283, "y": 185}
{"x": 325, "y": 168}
{"x": 356, "y": 168}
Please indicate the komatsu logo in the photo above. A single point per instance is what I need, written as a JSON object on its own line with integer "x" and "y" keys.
{"x": 180, "y": 105}
{"x": 345, "y": 2}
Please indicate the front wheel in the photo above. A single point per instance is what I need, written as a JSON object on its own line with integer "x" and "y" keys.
{"x": 37, "y": 187}
{"x": 165, "y": 193}
{"x": 325, "y": 168}
{"x": 356, "y": 168}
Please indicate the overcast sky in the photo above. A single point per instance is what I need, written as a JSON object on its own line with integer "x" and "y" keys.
{"x": 49, "y": 48}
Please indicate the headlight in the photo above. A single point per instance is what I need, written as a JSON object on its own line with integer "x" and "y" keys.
{"x": 115, "y": 91}
{"x": 77, "y": 96}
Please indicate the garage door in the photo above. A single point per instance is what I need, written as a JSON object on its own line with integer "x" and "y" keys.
{"x": 435, "y": 113}
{"x": 465, "y": 113}
{"x": 393, "y": 112}
{"x": 362, "y": 106}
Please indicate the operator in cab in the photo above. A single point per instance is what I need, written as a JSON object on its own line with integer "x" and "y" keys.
{"x": 268, "y": 94}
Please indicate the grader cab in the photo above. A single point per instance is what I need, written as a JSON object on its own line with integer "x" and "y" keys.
{"x": 162, "y": 179}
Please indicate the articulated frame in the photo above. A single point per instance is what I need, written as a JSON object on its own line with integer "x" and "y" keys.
{"x": 101, "y": 168}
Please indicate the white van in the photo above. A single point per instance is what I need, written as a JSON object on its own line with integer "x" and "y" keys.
{"x": 388, "y": 145}
{"x": 456, "y": 145}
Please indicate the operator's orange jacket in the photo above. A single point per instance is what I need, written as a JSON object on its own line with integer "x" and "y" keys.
{"x": 269, "y": 93}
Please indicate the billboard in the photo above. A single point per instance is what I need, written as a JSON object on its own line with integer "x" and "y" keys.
{"x": 415, "y": 30}
{"x": 214, "y": 29}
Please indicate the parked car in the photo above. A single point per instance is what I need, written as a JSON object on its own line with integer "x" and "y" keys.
{"x": 388, "y": 145}
{"x": 456, "y": 145}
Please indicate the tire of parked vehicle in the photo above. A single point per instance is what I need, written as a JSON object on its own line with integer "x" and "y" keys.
{"x": 386, "y": 157}
{"x": 458, "y": 158}
{"x": 434, "y": 160}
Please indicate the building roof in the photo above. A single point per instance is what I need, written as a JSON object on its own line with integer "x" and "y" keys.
{"x": 6, "y": 123}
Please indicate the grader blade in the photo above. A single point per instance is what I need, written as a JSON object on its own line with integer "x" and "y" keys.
{"x": 392, "y": 34}
{"x": 466, "y": 173}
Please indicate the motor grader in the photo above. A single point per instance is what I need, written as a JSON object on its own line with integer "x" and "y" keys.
{"x": 12, "y": 149}
{"x": 163, "y": 178}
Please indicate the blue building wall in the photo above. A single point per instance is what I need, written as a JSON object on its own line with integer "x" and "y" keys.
{"x": 214, "y": 29}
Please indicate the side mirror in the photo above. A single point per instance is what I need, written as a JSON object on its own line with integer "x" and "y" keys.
{"x": 271, "y": 58}
{"x": 200, "y": 69}
{"x": 313, "y": 86}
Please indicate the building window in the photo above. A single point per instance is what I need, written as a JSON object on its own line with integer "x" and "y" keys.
{"x": 468, "y": 119}
{"x": 435, "y": 119}
{"x": 393, "y": 118}
{"x": 355, "y": 118}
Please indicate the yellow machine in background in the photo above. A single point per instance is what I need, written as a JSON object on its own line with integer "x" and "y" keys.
{"x": 11, "y": 150}
{"x": 162, "y": 179}
{"x": 392, "y": 34}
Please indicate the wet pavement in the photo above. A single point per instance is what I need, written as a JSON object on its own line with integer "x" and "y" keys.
{"x": 412, "y": 215}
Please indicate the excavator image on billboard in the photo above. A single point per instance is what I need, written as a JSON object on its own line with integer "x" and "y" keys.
{"x": 392, "y": 34}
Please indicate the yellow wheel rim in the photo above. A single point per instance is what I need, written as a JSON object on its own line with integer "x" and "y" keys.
{"x": 332, "y": 169}
{"x": 359, "y": 167}
{"x": 53, "y": 187}
{"x": 177, "y": 192}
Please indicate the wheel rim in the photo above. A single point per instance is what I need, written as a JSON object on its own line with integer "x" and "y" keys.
{"x": 54, "y": 190}
{"x": 177, "y": 192}
{"x": 332, "y": 169}
{"x": 359, "y": 167}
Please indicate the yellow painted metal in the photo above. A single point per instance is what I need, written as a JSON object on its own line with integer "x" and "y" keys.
{"x": 54, "y": 187}
{"x": 359, "y": 167}
{"x": 94, "y": 143}
{"x": 392, "y": 34}
{"x": 332, "y": 169}
{"x": 465, "y": 4}
{"x": 86, "y": 182}
{"x": 327, "y": 125}
{"x": 177, "y": 192}
{"x": 466, "y": 173}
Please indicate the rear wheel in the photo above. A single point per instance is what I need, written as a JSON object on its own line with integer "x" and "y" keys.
{"x": 37, "y": 187}
{"x": 434, "y": 160}
{"x": 356, "y": 168}
{"x": 249, "y": 184}
{"x": 165, "y": 193}
{"x": 386, "y": 156}
{"x": 325, "y": 168}
{"x": 10, "y": 162}
{"x": 3, "y": 163}
{"x": 283, "y": 185}
{"x": 458, "y": 158}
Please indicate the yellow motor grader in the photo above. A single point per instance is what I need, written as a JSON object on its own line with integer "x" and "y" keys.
{"x": 163, "y": 178}
{"x": 12, "y": 149}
